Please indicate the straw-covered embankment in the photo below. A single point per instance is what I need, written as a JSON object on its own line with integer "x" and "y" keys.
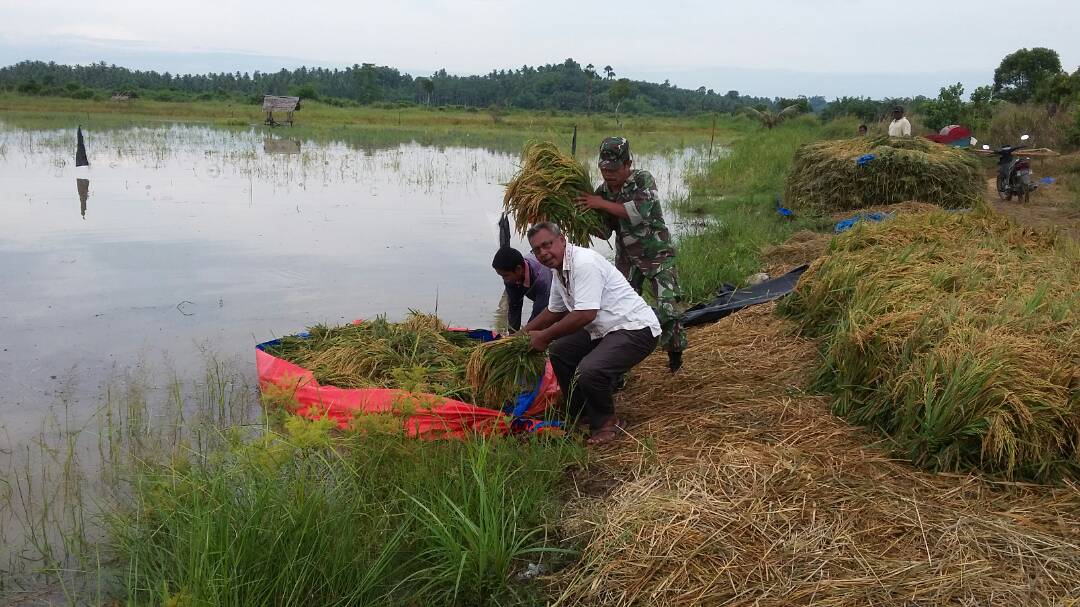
{"x": 738, "y": 487}
{"x": 957, "y": 336}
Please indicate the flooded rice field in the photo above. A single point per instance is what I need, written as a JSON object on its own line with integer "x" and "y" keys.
{"x": 181, "y": 241}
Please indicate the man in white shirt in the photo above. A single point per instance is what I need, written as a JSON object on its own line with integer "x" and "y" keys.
{"x": 899, "y": 127}
{"x": 595, "y": 328}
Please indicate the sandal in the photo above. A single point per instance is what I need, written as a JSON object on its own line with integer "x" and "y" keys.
{"x": 606, "y": 433}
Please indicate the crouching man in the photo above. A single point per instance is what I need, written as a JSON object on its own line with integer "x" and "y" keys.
{"x": 595, "y": 328}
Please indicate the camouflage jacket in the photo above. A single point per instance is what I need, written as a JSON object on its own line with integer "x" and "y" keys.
{"x": 642, "y": 239}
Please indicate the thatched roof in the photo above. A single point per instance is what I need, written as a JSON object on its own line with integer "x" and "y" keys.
{"x": 276, "y": 103}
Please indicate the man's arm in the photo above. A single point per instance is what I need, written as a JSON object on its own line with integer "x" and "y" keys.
{"x": 544, "y": 320}
{"x": 592, "y": 201}
{"x": 515, "y": 298}
{"x": 540, "y": 303}
{"x": 569, "y": 323}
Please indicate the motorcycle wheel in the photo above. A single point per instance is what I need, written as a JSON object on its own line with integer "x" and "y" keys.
{"x": 1003, "y": 189}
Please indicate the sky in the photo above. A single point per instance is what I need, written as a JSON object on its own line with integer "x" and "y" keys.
{"x": 770, "y": 48}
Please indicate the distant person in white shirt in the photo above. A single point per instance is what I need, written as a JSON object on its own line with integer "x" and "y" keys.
{"x": 899, "y": 127}
{"x": 595, "y": 328}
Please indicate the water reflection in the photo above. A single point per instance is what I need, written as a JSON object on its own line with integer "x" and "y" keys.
{"x": 281, "y": 146}
{"x": 83, "y": 186}
{"x": 287, "y": 232}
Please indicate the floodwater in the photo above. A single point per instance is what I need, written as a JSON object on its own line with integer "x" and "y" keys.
{"x": 179, "y": 240}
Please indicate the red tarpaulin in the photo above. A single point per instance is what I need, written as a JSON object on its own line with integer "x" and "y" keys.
{"x": 429, "y": 416}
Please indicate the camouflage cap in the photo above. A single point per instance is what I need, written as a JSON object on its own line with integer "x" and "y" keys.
{"x": 614, "y": 152}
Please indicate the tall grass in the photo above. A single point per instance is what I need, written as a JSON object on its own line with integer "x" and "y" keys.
{"x": 182, "y": 495}
{"x": 303, "y": 517}
{"x": 1010, "y": 121}
{"x": 738, "y": 194}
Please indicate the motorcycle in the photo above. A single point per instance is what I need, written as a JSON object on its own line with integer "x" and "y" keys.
{"x": 1014, "y": 172}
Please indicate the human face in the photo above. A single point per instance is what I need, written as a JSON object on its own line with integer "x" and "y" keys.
{"x": 897, "y": 115}
{"x": 615, "y": 178}
{"x": 548, "y": 248}
{"x": 513, "y": 277}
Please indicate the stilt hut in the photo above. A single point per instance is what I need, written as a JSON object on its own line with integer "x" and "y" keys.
{"x": 277, "y": 103}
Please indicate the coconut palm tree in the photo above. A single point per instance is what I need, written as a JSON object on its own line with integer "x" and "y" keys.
{"x": 771, "y": 119}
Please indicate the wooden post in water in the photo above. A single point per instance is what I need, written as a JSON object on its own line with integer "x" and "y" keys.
{"x": 573, "y": 143}
{"x": 80, "y": 150}
{"x": 712, "y": 137}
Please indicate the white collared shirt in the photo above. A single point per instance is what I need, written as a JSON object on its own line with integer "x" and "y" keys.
{"x": 587, "y": 281}
{"x": 900, "y": 128}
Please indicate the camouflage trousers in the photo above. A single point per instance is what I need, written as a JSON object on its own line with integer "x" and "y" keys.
{"x": 663, "y": 285}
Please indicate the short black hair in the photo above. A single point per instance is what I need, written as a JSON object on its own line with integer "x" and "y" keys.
{"x": 863, "y": 127}
{"x": 507, "y": 259}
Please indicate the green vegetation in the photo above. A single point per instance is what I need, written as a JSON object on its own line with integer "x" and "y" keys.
{"x": 366, "y": 127}
{"x": 306, "y": 517}
{"x": 200, "y": 500}
{"x": 737, "y": 194}
{"x": 565, "y": 86}
{"x": 956, "y": 336}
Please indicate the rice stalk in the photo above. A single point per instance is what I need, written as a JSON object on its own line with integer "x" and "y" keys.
{"x": 544, "y": 189}
{"x": 500, "y": 370}
{"x": 958, "y": 336}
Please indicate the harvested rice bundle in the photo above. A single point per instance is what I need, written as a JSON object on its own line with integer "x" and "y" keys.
{"x": 500, "y": 370}
{"x": 847, "y": 174}
{"x": 419, "y": 352}
{"x": 544, "y": 189}
{"x": 956, "y": 335}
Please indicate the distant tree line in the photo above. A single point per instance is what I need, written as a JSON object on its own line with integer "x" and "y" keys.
{"x": 1027, "y": 76}
{"x": 563, "y": 86}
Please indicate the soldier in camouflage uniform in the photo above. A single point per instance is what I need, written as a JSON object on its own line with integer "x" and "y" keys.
{"x": 643, "y": 249}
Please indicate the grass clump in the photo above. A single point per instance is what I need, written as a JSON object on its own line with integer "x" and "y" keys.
{"x": 309, "y": 517}
{"x": 956, "y": 335}
{"x": 736, "y": 195}
{"x": 827, "y": 177}
{"x": 501, "y": 369}
{"x": 544, "y": 189}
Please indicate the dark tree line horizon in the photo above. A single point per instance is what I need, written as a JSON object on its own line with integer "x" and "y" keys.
{"x": 566, "y": 86}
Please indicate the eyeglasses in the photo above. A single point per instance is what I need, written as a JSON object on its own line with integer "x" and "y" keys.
{"x": 543, "y": 246}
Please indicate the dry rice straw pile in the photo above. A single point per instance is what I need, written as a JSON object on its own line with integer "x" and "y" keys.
{"x": 737, "y": 488}
{"x": 826, "y": 176}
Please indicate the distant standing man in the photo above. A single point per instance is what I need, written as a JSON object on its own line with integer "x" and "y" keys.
{"x": 595, "y": 328}
{"x": 523, "y": 277}
{"x": 643, "y": 249}
{"x": 899, "y": 127}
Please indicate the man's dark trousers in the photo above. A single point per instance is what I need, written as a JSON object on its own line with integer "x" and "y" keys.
{"x": 587, "y": 369}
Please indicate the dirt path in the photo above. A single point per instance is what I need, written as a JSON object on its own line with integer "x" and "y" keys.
{"x": 1050, "y": 205}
